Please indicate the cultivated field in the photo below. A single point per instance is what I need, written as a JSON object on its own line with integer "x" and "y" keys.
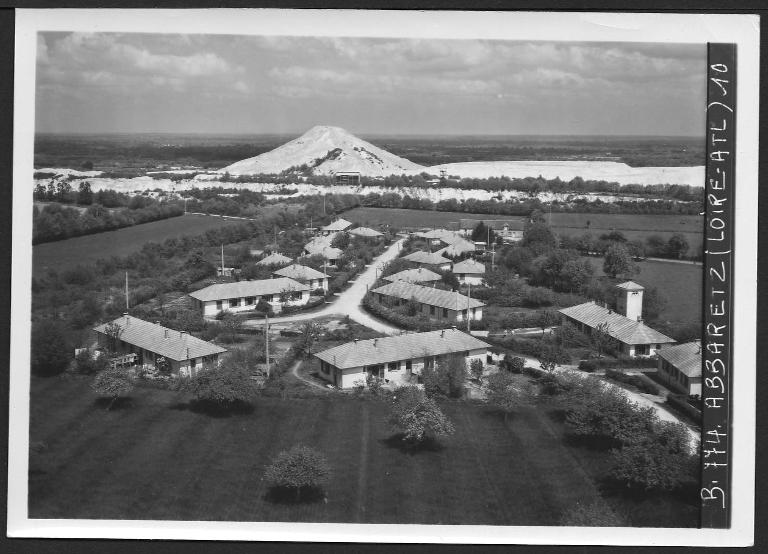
{"x": 634, "y": 226}
{"x": 157, "y": 459}
{"x": 88, "y": 248}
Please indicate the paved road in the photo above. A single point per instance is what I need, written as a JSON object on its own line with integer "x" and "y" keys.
{"x": 348, "y": 301}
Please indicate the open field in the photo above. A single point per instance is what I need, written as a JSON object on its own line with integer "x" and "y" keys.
{"x": 634, "y": 226}
{"x": 680, "y": 283}
{"x": 121, "y": 242}
{"x": 157, "y": 459}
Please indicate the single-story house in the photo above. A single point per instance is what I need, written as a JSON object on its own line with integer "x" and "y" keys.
{"x": 242, "y": 296}
{"x": 457, "y": 248}
{"x": 336, "y": 226}
{"x": 469, "y": 271}
{"x": 151, "y": 344}
{"x": 226, "y": 271}
{"x": 438, "y": 236}
{"x": 351, "y": 178}
{"x": 365, "y": 232}
{"x": 321, "y": 246}
{"x": 428, "y": 259}
{"x": 415, "y": 275}
{"x": 433, "y": 302}
{"x": 275, "y": 259}
{"x": 396, "y": 359}
{"x": 510, "y": 230}
{"x": 680, "y": 367}
{"x": 311, "y": 277}
{"x": 630, "y": 335}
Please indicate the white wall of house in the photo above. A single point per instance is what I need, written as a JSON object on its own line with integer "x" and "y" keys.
{"x": 470, "y": 278}
{"x": 678, "y": 380}
{"x": 397, "y": 373}
{"x": 211, "y": 308}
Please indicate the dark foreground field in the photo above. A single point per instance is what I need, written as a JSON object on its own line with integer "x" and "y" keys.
{"x": 89, "y": 248}
{"x": 157, "y": 459}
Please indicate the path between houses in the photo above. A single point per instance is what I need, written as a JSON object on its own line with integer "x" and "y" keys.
{"x": 348, "y": 301}
{"x": 300, "y": 377}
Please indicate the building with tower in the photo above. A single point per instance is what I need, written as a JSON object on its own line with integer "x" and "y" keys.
{"x": 631, "y": 337}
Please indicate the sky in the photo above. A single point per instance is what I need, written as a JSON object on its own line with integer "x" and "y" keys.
{"x": 183, "y": 83}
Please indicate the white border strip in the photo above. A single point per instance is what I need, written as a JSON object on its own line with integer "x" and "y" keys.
{"x": 592, "y": 27}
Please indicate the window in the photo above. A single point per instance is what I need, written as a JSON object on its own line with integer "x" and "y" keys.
{"x": 250, "y": 300}
{"x": 192, "y": 363}
{"x": 234, "y": 302}
{"x": 311, "y": 283}
{"x": 408, "y": 365}
{"x": 268, "y": 297}
{"x": 219, "y": 305}
{"x": 393, "y": 366}
{"x": 642, "y": 350}
{"x": 431, "y": 310}
{"x": 445, "y": 312}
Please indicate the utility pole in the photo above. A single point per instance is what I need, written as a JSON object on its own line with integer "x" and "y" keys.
{"x": 469, "y": 297}
{"x": 126, "y": 291}
{"x": 266, "y": 341}
{"x": 222, "y": 260}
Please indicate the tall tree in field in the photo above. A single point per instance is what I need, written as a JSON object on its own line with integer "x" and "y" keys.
{"x": 505, "y": 392}
{"x": 417, "y": 416}
{"x": 601, "y": 338}
{"x": 618, "y": 261}
{"x": 677, "y": 245}
{"x": 112, "y": 383}
{"x": 84, "y": 193}
{"x": 310, "y": 333}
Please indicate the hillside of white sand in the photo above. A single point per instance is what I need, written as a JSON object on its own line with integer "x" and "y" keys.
{"x": 326, "y": 151}
{"x": 589, "y": 171}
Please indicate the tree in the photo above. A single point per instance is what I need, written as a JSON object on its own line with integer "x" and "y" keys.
{"x": 538, "y": 237}
{"x": 547, "y": 318}
{"x": 658, "y": 460}
{"x": 505, "y": 392}
{"x": 112, "y": 383}
{"x": 549, "y": 358}
{"x": 476, "y": 367}
{"x": 654, "y": 302}
{"x": 601, "y": 337}
{"x": 618, "y": 261}
{"x": 232, "y": 324}
{"x": 677, "y": 245}
{"x": 310, "y": 333}
{"x": 87, "y": 165}
{"x": 88, "y": 364}
{"x": 225, "y": 388}
{"x": 514, "y": 364}
{"x": 51, "y": 350}
{"x": 655, "y": 245}
{"x": 341, "y": 240}
{"x": 84, "y": 193}
{"x": 455, "y": 370}
{"x": 482, "y": 232}
{"x": 449, "y": 278}
{"x": 299, "y": 470}
{"x": 113, "y": 332}
{"x": 575, "y": 274}
{"x": 417, "y": 416}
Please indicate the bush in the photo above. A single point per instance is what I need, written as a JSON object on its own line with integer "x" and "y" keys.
{"x": 225, "y": 388}
{"x": 112, "y": 383}
{"x": 417, "y": 416}
{"x": 51, "y": 351}
{"x": 299, "y": 470}
{"x": 633, "y": 380}
{"x": 86, "y": 364}
{"x": 587, "y": 365}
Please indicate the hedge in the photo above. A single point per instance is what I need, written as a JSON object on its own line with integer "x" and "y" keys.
{"x": 613, "y": 363}
{"x": 636, "y": 381}
{"x": 398, "y": 319}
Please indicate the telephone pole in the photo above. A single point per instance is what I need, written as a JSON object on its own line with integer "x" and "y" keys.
{"x": 126, "y": 291}
{"x": 266, "y": 339}
{"x": 469, "y": 297}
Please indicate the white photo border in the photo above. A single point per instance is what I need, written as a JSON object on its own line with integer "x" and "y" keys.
{"x": 561, "y": 26}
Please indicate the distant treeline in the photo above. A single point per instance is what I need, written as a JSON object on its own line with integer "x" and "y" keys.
{"x": 57, "y": 222}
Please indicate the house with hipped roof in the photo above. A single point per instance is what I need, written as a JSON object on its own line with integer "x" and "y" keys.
{"x": 309, "y": 276}
{"x": 152, "y": 346}
{"x": 430, "y": 260}
{"x": 433, "y": 302}
{"x": 625, "y": 326}
{"x": 339, "y": 224}
{"x": 397, "y": 359}
{"x": 414, "y": 275}
{"x": 365, "y": 233}
{"x": 469, "y": 272}
{"x": 679, "y": 366}
{"x": 275, "y": 259}
{"x": 243, "y": 296}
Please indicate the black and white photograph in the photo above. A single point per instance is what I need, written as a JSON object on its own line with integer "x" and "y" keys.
{"x": 429, "y": 277}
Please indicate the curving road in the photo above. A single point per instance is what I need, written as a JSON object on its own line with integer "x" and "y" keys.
{"x": 348, "y": 301}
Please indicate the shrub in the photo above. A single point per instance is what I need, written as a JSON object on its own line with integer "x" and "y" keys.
{"x": 224, "y": 388}
{"x": 587, "y": 365}
{"x": 633, "y": 380}
{"x": 417, "y": 416}
{"x": 476, "y": 367}
{"x": 504, "y": 392}
{"x": 112, "y": 383}
{"x": 595, "y": 514}
{"x": 87, "y": 364}
{"x": 299, "y": 470}
{"x": 660, "y": 459}
{"x": 50, "y": 354}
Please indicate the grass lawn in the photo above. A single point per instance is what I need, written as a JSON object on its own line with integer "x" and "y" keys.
{"x": 160, "y": 460}
{"x": 121, "y": 242}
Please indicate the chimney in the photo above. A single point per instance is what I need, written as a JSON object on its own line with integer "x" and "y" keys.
{"x": 187, "y": 353}
{"x": 375, "y": 341}
{"x": 166, "y": 333}
{"x": 640, "y": 318}
{"x": 442, "y": 333}
{"x": 355, "y": 340}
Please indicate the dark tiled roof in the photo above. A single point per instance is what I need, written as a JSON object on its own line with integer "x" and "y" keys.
{"x": 686, "y": 357}
{"x": 161, "y": 340}
{"x": 400, "y": 347}
{"x": 620, "y": 327}
{"x": 243, "y": 289}
{"x": 428, "y": 295}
